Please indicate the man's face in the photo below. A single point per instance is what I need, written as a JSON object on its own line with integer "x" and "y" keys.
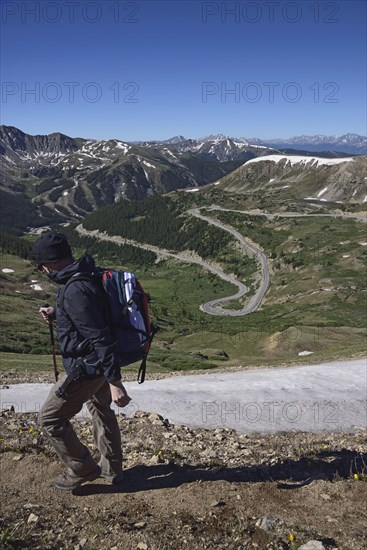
{"x": 50, "y": 267}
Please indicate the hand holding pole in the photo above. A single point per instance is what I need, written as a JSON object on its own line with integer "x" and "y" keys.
{"x": 47, "y": 317}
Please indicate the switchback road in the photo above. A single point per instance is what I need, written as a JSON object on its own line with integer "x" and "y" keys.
{"x": 212, "y": 307}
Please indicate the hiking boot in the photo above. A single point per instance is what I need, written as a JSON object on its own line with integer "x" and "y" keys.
{"x": 67, "y": 482}
{"x": 115, "y": 479}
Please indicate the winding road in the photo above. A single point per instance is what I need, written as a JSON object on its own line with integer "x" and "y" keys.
{"x": 214, "y": 307}
{"x": 272, "y": 216}
{"x": 249, "y": 248}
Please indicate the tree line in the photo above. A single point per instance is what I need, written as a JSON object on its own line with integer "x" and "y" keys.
{"x": 158, "y": 221}
{"x": 107, "y": 251}
{"x": 11, "y": 244}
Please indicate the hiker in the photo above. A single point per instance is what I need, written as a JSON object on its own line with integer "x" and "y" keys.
{"x": 91, "y": 362}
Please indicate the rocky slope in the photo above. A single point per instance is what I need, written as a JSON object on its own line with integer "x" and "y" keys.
{"x": 55, "y": 178}
{"x": 61, "y": 177}
{"x": 187, "y": 488}
{"x": 310, "y": 178}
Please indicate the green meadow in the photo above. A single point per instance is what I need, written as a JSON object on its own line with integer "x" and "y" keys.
{"x": 316, "y": 300}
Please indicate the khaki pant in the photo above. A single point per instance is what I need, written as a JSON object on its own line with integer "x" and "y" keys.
{"x": 55, "y": 418}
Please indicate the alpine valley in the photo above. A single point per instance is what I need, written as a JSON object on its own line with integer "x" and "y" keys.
{"x": 252, "y": 254}
{"x": 48, "y": 179}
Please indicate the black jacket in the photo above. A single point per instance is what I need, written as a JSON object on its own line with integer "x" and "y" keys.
{"x": 82, "y": 321}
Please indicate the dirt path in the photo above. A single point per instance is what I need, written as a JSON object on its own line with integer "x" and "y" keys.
{"x": 271, "y": 216}
{"x": 187, "y": 488}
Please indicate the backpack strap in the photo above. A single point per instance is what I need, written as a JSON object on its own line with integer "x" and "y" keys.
{"x": 76, "y": 277}
{"x": 142, "y": 369}
{"x": 143, "y": 365}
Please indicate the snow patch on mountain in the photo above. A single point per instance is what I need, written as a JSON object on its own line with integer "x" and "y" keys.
{"x": 120, "y": 145}
{"x": 8, "y": 159}
{"x": 148, "y": 164}
{"x": 36, "y": 287}
{"x": 258, "y": 146}
{"x": 322, "y": 192}
{"x": 314, "y": 199}
{"x": 296, "y": 159}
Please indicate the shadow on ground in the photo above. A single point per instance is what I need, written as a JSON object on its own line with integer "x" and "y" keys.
{"x": 291, "y": 474}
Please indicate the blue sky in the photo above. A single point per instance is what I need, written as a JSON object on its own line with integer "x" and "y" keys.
{"x": 139, "y": 70}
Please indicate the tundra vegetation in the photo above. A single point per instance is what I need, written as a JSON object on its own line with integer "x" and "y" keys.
{"x": 316, "y": 299}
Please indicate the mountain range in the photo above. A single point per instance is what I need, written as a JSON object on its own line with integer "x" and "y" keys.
{"x": 57, "y": 177}
{"x": 225, "y": 147}
{"x": 353, "y": 144}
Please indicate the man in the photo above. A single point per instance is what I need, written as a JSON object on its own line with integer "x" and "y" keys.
{"x": 90, "y": 360}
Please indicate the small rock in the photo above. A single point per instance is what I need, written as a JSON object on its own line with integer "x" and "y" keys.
{"x": 312, "y": 545}
{"x": 155, "y": 418}
{"x": 217, "y": 503}
{"x": 325, "y": 496}
{"x": 139, "y": 414}
{"x": 246, "y": 452}
{"x": 114, "y": 548}
{"x": 17, "y": 457}
{"x": 10, "y": 408}
{"x": 156, "y": 459}
{"x": 32, "y": 518}
{"x": 140, "y": 524}
{"x": 142, "y": 546}
{"x": 267, "y": 523}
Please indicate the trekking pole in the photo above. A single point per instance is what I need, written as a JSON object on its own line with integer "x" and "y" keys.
{"x": 56, "y": 372}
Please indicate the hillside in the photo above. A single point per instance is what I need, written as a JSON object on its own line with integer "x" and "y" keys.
{"x": 188, "y": 488}
{"x": 315, "y": 300}
{"x": 340, "y": 180}
{"x": 57, "y": 178}
{"x": 49, "y": 179}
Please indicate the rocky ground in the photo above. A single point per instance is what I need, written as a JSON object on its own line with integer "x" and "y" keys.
{"x": 187, "y": 488}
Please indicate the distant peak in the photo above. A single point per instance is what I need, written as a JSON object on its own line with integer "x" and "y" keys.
{"x": 175, "y": 139}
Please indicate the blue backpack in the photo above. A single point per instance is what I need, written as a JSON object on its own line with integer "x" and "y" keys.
{"x": 128, "y": 315}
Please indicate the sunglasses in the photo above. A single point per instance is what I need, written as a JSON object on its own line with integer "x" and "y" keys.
{"x": 41, "y": 267}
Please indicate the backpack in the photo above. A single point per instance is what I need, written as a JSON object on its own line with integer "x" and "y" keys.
{"x": 128, "y": 315}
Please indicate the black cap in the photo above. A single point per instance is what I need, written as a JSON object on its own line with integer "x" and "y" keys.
{"x": 51, "y": 247}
